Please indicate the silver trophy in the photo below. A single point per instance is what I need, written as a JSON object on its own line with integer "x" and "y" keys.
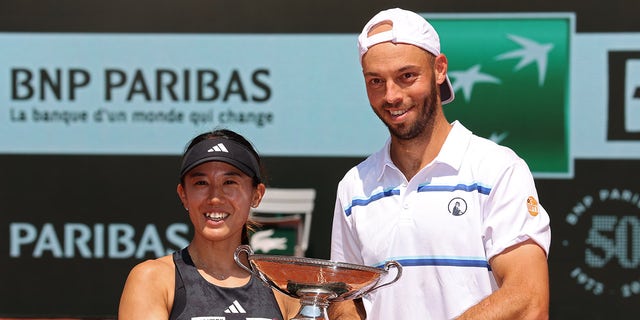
{"x": 315, "y": 282}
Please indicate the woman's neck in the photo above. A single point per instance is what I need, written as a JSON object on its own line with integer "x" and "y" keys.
{"x": 217, "y": 265}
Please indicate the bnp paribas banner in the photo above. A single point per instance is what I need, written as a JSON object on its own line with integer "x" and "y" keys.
{"x": 511, "y": 78}
{"x": 292, "y": 95}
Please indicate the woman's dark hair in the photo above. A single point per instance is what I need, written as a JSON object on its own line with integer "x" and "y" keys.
{"x": 231, "y": 135}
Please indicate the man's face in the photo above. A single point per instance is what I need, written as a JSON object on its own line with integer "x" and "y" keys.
{"x": 401, "y": 87}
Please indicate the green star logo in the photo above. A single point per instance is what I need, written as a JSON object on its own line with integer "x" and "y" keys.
{"x": 511, "y": 76}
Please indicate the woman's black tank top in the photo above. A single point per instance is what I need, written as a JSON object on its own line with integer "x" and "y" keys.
{"x": 196, "y": 298}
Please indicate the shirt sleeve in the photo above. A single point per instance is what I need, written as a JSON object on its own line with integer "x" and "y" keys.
{"x": 513, "y": 212}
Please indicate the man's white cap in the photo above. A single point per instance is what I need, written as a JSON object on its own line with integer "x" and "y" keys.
{"x": 410, "y": 28}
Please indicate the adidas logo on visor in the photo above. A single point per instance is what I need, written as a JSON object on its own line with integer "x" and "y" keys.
{"x": 218, "y": 148}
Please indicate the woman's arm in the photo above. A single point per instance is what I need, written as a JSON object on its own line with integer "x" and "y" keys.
{"x": 347, "y": 310}
{"x": 148, "y": 291}
{"x": 288, "y": 306}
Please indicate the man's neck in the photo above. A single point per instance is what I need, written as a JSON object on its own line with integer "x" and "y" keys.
{"x": 410, "y": 156}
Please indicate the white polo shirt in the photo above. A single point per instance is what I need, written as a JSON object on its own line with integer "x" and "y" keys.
{"x": 473, "y": 201}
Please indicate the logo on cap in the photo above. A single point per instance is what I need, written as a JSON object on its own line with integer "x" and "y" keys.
{"x": 218, "y": 148}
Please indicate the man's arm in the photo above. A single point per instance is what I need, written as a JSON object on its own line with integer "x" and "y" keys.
{"x": 522, "y": 274}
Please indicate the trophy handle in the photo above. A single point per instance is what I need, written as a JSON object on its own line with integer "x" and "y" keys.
{"x": 248, "y": 251}
{"x": 236, "y": 256}
{"x": 387, "y": 266}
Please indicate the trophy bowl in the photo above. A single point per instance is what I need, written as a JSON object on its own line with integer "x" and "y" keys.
{"x": 315, "y": 282}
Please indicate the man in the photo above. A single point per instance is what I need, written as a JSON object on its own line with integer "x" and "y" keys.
{"x": 459, "y": 212}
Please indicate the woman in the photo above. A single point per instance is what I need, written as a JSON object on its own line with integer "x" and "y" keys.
{"x": 219, "y": 181}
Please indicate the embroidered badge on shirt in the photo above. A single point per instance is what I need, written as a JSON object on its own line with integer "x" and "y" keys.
{"x": 457, "y": 206}
{"x": 532, "y": 206}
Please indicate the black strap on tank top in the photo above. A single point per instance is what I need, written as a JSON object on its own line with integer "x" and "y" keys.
{"x": 180, "y": 295}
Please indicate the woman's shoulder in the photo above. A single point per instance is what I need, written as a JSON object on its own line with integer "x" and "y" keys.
{"x": 153, "y": 274}
{"x": 154, "y": 269}
{"x": 148, "y": 291}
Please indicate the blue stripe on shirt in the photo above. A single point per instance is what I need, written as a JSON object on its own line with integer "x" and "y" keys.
{"x": 377, "y": 196}
{"x": 421, "y": 188}
{"x": 450, "y": 262}
{"x": 458, "y": 187}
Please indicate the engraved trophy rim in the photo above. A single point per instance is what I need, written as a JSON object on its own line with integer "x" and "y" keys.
{"x": 315, "y": 282}
{"x": 316, "y": 262}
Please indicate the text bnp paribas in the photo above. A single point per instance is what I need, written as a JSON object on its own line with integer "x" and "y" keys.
{"x": 134, "y": 87}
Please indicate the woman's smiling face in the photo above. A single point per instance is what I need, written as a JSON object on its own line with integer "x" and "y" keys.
{"x": 219, "y": 197}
